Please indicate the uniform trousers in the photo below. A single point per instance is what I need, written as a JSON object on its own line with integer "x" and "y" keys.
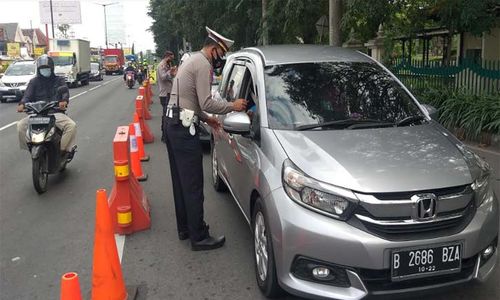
{"x": 186, "y": 168}
{"x": 164, "y": 103}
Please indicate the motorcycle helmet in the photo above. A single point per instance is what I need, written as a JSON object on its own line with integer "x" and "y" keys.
{"x": 45, "y": 61}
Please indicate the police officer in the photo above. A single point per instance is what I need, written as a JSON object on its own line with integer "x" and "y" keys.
{"x": 165, "y": 74}
{"x": 191, "y": 91}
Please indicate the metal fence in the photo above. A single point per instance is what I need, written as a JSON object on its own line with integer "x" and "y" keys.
{"x": 472, "y": 76}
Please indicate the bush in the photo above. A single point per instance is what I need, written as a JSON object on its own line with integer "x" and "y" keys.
{"x": 472, "y": 113}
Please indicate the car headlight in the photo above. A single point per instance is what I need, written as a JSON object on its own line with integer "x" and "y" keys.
{"x": 2, "y": 84}
{"x": 483, "y": 192}
{"x": 318, "y": 196}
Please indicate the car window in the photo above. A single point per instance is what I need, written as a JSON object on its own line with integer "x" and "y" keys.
{"x": 21, "y": 70}
{"x": 315, "y": 93}
{"x": 234, "y": 83}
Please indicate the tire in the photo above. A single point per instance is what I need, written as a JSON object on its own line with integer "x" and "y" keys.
{"x": 265, "y": 266}
{"x": 39, "y": 172}
{"x": 217, "y": 181}
{"x": 3, "y": 100}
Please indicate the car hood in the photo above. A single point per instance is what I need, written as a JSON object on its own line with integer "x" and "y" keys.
{"x": 17, "y": 79}
{"x": 379, "y": 160}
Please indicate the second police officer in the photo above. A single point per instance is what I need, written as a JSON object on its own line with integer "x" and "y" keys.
{"x": 190, "y": 98}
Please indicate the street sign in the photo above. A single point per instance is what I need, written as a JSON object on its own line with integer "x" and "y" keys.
{"x": 39, "y": 51}
{"x": 13, "y": 49}
{"x": 64, "y": 12}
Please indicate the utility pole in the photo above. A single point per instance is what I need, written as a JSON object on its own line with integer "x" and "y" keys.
{"x": 105, "y": 21}
{"x": 52, "y": 19}
{"x": 264, "y": 23}
{"x": 334, "y": 21}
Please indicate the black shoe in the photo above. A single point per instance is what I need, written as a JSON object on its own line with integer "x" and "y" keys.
{"x": 71, "y": 154}
{"x": 208, "y": 243}
{"x": 183, "y": 235}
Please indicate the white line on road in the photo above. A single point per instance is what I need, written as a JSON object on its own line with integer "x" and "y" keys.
{"x": 120, "y": 244}
{"x": 8, "y": 125}
{"x": 77, "y": 95}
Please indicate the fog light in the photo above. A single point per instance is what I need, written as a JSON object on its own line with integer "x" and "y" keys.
{"x": 488, "y": 252}
{"x": 321, "y": 272}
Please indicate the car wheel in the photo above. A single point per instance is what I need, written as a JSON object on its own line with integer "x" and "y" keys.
{"x": 217, "y": 181}
{"x": 3, "y": 100}
{"x": 265, "y": 267}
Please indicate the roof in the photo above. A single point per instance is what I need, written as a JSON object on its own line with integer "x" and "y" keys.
{"x": 285, "y": 54}
{"x": 9, "y": 30}
{"x": 42, "y": 38}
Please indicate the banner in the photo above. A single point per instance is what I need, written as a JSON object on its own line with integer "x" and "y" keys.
{"x": 39, "y": 51}
{"x": 13, "y": 50}
{"x": 64, "y": 12}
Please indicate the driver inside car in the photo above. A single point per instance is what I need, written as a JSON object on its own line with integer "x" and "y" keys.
{"x": 46, "y": 86}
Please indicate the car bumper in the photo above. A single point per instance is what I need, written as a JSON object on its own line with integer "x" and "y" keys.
{"x": 300, "y": 232}
{"x": 10, "y": 92}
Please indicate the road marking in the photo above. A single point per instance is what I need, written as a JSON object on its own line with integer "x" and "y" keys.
{"x": 120, "y": 244}
{"x": 77, "y": 95}
{"x": 8, "y": 125}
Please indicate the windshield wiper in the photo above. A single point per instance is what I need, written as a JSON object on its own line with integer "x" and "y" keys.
{"x": 410, "y": 120}
{"x": 346, "y": 123}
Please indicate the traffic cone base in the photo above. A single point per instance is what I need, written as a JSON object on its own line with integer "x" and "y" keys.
{"x": 145, "y": 158}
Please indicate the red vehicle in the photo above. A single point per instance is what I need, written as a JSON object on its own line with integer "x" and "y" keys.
{"x": 114, "y": 61}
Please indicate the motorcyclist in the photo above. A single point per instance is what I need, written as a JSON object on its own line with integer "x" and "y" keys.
{"x": 46, "y": 86}
{"x": 129, "y": 68}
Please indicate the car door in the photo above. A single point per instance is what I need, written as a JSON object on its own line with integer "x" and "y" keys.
{"x": 244, "y": 165}
{"x": 223, "y": 141}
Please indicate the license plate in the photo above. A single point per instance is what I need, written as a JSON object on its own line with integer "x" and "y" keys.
{"x": 426, "y": 261}
{"x": 13, "y": 90}
{"x": 39, "y": 120}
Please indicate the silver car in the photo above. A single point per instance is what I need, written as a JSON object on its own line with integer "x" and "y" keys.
{"x": 349, "y": 185}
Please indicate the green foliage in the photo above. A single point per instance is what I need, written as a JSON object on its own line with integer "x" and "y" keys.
{"x": 475, "y": 114}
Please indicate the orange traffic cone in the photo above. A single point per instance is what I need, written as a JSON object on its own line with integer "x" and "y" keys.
{"x": 138, "y": 135}
{"x": 143, "y": 91}
{"x": 107, "y": 277}
{"x": 70, "y": 287}
{"x": 135, "y": 160}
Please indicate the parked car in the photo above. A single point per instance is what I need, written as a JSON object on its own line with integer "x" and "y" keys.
{"x": 96, "y": 72}
{"x": 15, "y": 80}
{"x": 349, "y": 185}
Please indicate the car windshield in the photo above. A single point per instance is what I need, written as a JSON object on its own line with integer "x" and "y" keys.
{"x": 21, "y": 70}
{"x": 111, "y": 59}
{"x": 94, "y": 67}
{"x": 306, "y": 95}
{"x": 62, "y": 60}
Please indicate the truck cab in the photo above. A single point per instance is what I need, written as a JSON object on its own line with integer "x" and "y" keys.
{"x": 71, "y": 60}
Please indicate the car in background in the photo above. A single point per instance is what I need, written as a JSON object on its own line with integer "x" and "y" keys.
{"x": 350, "y": 186}
{"x": 96, "y": 72}
{"x": 15, "y": 80}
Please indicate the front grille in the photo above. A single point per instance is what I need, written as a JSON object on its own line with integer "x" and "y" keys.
{"x": 407, "y": 195}
{"x": 416, "y": 228}
{"x": 380, "y": 280}
{"x": 15, "y": 84}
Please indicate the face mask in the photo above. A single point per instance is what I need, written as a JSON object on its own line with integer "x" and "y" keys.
{"x": 45, "y": 72}
{"x": 217, "y": 61}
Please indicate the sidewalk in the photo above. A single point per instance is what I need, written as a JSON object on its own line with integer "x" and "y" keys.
{"x": 492, "y": 156}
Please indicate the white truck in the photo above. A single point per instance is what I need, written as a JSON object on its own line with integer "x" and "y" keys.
{"x": 71, "y": 60}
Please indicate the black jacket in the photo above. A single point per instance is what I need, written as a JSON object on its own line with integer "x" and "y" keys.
{"x": 40, "y": 88}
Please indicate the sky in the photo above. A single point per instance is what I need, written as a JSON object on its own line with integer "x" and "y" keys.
{"x": 92, "y": 28}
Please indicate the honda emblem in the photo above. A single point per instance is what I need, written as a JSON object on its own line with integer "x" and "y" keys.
{"x": 424, "y": 206}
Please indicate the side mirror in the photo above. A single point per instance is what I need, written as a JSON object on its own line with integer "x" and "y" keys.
{"x": 237, "y": 123}
{"x": 432, "y": 111}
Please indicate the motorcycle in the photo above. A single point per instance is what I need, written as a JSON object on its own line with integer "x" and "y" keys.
{"x": 140, "y": 77}
{"x": 43, "y": 139}
{"x": 130, "y": 79}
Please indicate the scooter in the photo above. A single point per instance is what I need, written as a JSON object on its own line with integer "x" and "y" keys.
{"x": 130, "y": 79}
{"x": 140, "y": 77}
{"x": 43, "y": 139}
